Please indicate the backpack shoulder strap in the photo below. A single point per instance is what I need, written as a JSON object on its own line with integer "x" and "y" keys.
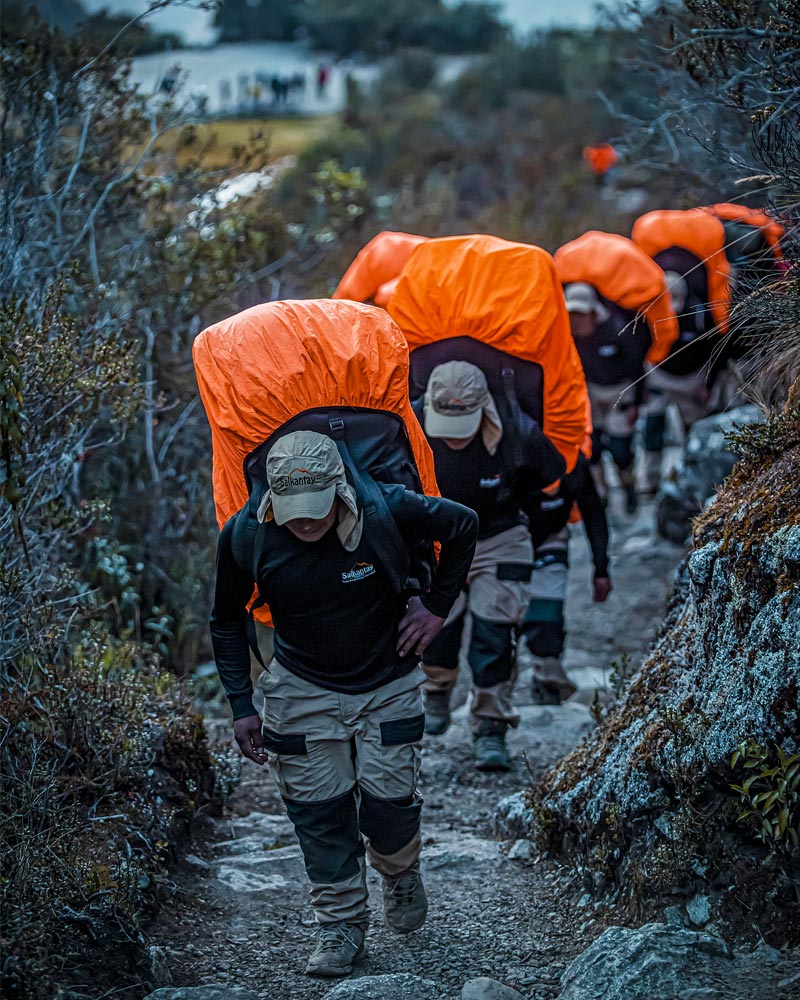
{"x": 243, "y": 543}
{"x": 383, "y": 533}
{"x": 514, "y": 426}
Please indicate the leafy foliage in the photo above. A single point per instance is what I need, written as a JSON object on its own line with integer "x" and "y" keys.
{"x": 362, "y": 26}
{"x": 769, "y": 794}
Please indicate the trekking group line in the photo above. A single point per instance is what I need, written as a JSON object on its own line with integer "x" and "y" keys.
{"x": 385, "y": 472}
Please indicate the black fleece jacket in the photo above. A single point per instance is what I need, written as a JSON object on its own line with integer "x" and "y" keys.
{"x": 335, "y": 612}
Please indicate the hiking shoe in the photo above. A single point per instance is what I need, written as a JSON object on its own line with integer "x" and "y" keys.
{"x": 405, "y": 904}
{"x": 339, "y": 947}
{"x": 491, "y": 753}
{"x": 543, "y": 693}
{"x": 437, "y": 712}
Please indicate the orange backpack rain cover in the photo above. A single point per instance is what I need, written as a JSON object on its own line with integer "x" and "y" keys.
{"x": 265, "y": 365}
{"x": 622, "y": 273}
{"x": 506, "y": 295}
{"x": 377, "y": 264}
{"x": 772, "y": 231}
{"x": 701, "y": 234}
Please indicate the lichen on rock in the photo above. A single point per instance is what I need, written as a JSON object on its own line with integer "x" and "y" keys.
{"x": 650, "y": 790}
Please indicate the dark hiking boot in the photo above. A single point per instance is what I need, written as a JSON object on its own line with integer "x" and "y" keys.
{"x": 437, "y": 712}
{"x": 544, "y": 694}
{"x": 405, "y": 904}
{"x": 491, "y": 752}
{"x": 339, "y": 947}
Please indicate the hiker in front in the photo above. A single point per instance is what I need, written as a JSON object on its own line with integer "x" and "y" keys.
{"x": 342, "y": 705}
{"x": 476, "y": 467}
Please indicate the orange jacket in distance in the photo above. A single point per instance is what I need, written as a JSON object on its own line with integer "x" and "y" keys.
{"x": 772, "y": 231}
{"x": 701, "y": 234}
{"x": 622, "y": 273}
{"x": 506, "y": 295}
{"x": 377, "y": 264}
{"x": 600, "y": 158}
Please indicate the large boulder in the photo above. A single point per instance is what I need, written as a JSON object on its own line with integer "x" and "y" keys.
{"x": 648, "y": 803}
{"x": 658, "y": 962}
{"x": 708, "y": 458}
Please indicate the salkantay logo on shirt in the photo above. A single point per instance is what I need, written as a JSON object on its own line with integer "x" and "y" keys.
{"x": 489, "y": 482}
{"x": 359, "y": 572}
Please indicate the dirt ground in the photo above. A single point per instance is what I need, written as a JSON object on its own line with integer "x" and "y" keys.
{"x": 240, "y": 915}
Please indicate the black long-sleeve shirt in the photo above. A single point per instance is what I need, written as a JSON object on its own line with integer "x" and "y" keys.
{"x": 548, "y": 515}
{"x": 336, "y": 613}
{"x": 615, "y": 352}
{"x": 489, "y": 484}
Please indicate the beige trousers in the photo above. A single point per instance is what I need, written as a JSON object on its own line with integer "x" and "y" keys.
{"x": 346, "y": 766}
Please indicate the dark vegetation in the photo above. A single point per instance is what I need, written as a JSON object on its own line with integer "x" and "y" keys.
{"x": 96, "y": 30}
{"x": 362, "y": 27}
{"x": 114, "y": 255}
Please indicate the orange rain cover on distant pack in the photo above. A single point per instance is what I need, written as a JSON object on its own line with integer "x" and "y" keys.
{"x": 622, "y": 273}
{"x": 772, "y": 230}
{"x": 600, "y": 158}
{"x": 378, "y": 263}
{"x": 701, "y": 234}
{"x": 265, "y": 365}
{"x": 506, "y": 295}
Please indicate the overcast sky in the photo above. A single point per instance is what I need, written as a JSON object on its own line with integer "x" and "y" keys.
{"x": 195, "y": 26}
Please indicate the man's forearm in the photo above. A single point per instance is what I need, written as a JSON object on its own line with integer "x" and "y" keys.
{"x": 232, "y": 656}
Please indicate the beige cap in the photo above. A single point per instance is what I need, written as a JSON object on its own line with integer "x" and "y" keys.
{"x": 458, "y": 403}
{"x": 305, "y": 474}
{"x": 581, "y": 297}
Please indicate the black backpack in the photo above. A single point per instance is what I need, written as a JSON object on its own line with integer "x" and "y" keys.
{"x": 517, "y": 386}
{"x": 375, "y": 449}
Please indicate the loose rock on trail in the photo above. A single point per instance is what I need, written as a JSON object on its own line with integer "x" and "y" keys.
{"x": 240, "y": 916}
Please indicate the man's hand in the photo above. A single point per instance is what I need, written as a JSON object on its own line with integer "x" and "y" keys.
{"x": 601, "y": 587}
{"x": 417, "y": 627}
{"x": 247, "y": 733}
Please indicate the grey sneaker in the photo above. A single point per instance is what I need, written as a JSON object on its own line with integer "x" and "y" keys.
{"x": 437, "y": 712}
{"x": 339, "y": 947}
{"x": 405, "y": 904}
{"x": 491, "y": 753}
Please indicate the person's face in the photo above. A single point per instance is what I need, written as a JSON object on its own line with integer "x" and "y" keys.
{"x": 582, "y": 324}
{"x": 458, "y": 444}
{"x": 311, "y": 529}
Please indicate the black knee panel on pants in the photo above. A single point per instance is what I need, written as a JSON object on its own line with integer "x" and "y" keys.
{"x": 491, "y": 652}
{"x": 444, "y": 649}
{"x": 621, "y": 450}
{"x": 544, "y": 638}
{"x": 329, "y": 837}
{"x": 389, "y": 824}
{"x": 655, "y": 424}
{"x": 543, "y": 627}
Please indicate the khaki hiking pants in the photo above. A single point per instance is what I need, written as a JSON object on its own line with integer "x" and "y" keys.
{"x": 612, "y": 431}
{"x": 346, "y": 766}
{"x": 543, "y": 626}
{"x": 688, "y": 394}
{"x": 496, "y": 598}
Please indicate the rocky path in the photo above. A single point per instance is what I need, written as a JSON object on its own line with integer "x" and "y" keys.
{"x": 240, "y": 915}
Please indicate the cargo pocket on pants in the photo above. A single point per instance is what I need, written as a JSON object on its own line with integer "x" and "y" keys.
{"x": 396, "y": 732}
